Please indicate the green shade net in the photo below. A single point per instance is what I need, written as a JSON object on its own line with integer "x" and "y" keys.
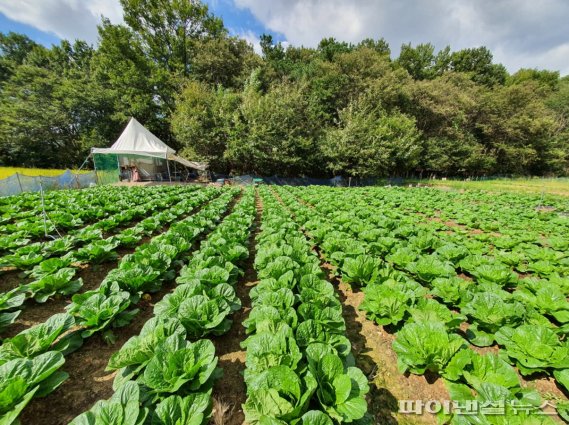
{"x": 107, "y": 166}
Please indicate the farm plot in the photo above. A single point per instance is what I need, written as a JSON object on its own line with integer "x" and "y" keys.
{"x": 482, "y": 305}
{"x": 96, "y": 311}
{"x": 319, "y": 305}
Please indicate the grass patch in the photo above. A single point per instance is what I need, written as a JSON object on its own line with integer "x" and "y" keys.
{"x": 48, "y": 172}
{"x": 536, "y": 185}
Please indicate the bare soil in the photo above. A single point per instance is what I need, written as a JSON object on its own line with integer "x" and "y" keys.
{"x": 11, "y": 278}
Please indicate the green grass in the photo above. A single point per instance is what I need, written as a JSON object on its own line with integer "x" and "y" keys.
{"x": 48, "y": 172}
{"x": 532, "y": 185}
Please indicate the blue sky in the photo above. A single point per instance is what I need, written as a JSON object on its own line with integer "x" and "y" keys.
{"x": 520, "y": 33}
{"x": 45, "y": 38}
{"x": 240, "y": 21}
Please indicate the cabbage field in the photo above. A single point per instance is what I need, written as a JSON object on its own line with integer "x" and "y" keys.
{"x": 190, "y": 305}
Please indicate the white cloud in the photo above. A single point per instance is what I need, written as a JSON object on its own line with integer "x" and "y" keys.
{"x": 251, "y": 38}
{"x": 521, "y": 33}
{"x": 69, "y": 19}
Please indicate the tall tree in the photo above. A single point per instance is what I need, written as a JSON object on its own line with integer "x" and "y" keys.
{"x": 369, "y": 142}
{"x": 168, "y": 29}
{"x": 477, "y": 62}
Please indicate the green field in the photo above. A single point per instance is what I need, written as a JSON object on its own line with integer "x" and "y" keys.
{"x": 532, "y": 185}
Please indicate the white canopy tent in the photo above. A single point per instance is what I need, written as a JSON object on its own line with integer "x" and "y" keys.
{"x": 138, "y": 140}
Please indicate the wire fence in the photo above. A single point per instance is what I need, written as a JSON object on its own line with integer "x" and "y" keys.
{"x": 18, "y": 183}
{"x": 309, "y": 181}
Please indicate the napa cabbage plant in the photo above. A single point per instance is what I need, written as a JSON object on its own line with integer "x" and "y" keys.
{"x": 180, "y": 370}
{"x": 389, "y": 302}
{"x": 123, "y": 408}
{"x": 422, "y": 346}
{"x": 200, "y": 308}
{"x": 521, "y": 407}
{"x": 21, "y": 379}
{"x": 60, "y": 282}
{"x": 452, "y": 252}
{"x": 475, "y": 369}
{"x": 402, "y": 257}
{"x": 489, "y": 313}
{"x": 50, "y": 266}
{"x": 135, "y": 278}
{"x": 96, "y": 252}
{"x": 269, "y": 348}
{"x": 341, "y": 390}
{"x": 287, "y": 280}
{"x": 311, "y": 331}
{"x": 548, "y": 299}
{"x": 429, "y": 310}
{"x": 9, "y": 301}
{"x": 361, "y": 270}
{"x": 534, "y": 348}
{"x": 135, "y": 354}
{"x": 50, "y": 335}
{"x": 278, "y": 393}
{"x": 330, "y": 317}
{"x": 264, "y": 316}
{"x": 192, "y": 409}
{"x": 430, "y": 267}
{"x": 494, "y": 273}
{"x": 96, "y": 311}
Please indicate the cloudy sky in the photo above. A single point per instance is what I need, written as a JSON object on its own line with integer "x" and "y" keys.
{"x": 520, "y": 33}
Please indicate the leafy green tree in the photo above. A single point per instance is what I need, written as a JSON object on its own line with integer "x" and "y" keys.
{"x": 14, "y": 49}
{"x": 380, "y": 45}
{"x": 204, "y": 122}
{"x": 515, "y": 123}
{"x": 369, "y": 142}
{"x": 477, "y": 62}
{"x": 280, "y": 137}
{"x": 168, "y": 29}
{"x": 544, "y": 77}
{"x": 419, "y": 61}
{"x": 330, "y": 47}
{"x": 49, "y": 120}
{"x": 136, "y": 86}
{"x": 272, "y": 52}
{"x": 226, "y": 61}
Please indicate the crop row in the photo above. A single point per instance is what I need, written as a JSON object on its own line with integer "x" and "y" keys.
{"x": 430, "y": 339}
{"x": 530, "y": 241}
{"x": 299, "y": 367}
{"x": 30, "y": 361}
{"x": 22, "y": 219}
{"x": 56, "y": 275}
{"x": 165, "y": 374}
{"x": 17, "y": 243}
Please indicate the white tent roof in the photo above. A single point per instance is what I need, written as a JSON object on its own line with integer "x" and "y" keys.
{"x": 138, "y": 140}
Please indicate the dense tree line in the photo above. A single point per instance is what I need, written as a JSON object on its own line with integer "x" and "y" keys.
{"x": 338, "y": 109}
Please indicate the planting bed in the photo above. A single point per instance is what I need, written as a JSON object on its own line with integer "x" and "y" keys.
{"x": 284, "y": 305}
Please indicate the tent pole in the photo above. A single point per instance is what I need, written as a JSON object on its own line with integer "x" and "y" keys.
{"x": 168, "y": 165}
{"x": 84, "y": 162}
{"x": 95, "y": 167}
